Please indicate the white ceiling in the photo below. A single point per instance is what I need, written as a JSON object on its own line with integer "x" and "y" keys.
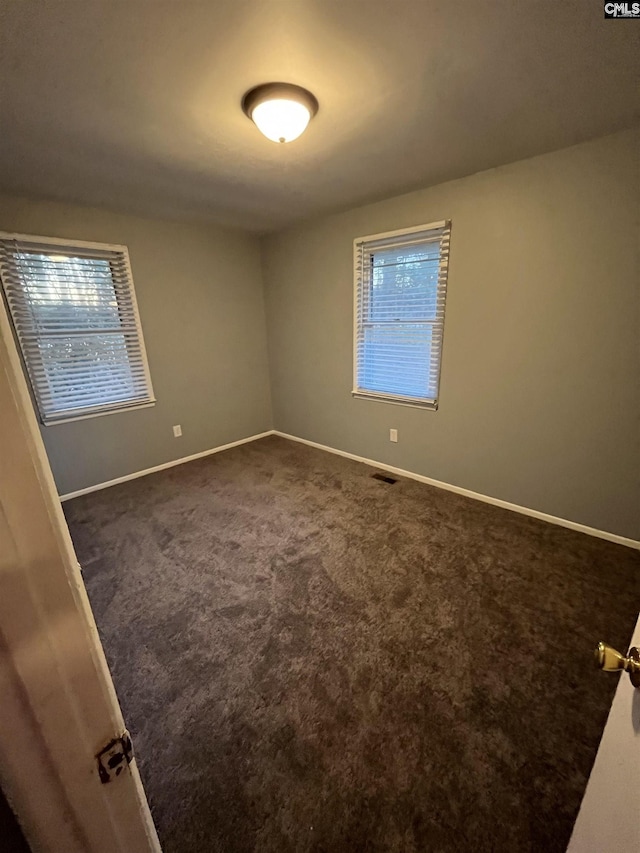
{"x": 135, "y": 105}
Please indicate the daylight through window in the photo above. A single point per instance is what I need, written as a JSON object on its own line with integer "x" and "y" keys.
{"x": 400, "y": 289}
{"x": 75, "y": 317}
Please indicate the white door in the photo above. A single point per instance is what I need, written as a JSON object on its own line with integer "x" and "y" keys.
{"x": 57, "y": 702}
{"x": 609, "y": 817}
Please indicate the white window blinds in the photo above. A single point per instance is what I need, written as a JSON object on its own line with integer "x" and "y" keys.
{"x": 74, "y": 313}
{"x": 400, "y": 289}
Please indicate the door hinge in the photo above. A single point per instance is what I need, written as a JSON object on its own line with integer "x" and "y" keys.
{"x": 116, "y": 755}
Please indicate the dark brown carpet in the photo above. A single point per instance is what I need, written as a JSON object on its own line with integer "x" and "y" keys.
{"x": 312, "y": 660}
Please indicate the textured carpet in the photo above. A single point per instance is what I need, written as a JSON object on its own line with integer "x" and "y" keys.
{"x": 313, "y": 660}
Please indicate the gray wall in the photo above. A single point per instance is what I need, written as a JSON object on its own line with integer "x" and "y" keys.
{"x": 540, "y": 390}
{"x": 199, "y": 291}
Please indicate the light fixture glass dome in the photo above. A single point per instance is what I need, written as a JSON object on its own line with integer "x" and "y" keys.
{"x": 281, "y": 120}
{"x": 281, "y": 111}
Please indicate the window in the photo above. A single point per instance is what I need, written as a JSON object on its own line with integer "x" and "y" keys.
{"x": 75, "y": 317}
{"x": 400, "y": 288}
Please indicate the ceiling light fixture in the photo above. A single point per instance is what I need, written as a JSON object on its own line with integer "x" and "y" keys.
{"x": 281, "y": 111}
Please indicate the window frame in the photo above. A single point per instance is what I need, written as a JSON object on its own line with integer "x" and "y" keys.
{"x": 87, "y": 246}
{"x": 358, "y": 244}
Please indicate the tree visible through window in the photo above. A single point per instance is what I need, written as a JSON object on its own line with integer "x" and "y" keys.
{"x": 75, "y": 316}
{"x": 400, "y": 296}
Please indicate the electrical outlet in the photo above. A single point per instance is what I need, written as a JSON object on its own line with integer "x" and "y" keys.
{"x": 393, "y": 435}
{"x": 177, "y": 431}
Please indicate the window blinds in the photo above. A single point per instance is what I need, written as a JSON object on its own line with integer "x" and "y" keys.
{"x": 74, "y": 313}
{"x": 400, "y": 289}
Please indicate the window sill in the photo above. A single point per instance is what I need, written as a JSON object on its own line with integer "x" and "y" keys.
{"x": 84, "y": 417}
{"x": 429, "y": 405}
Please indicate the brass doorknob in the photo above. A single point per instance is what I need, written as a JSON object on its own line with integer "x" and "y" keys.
{"x": 610, "y": 660}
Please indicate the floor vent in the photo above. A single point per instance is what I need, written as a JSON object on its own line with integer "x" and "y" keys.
{"x": 384, "y": 478}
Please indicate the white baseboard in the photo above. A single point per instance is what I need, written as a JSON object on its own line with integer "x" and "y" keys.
{"x": 164, "y": 465}
{"x": 523, "y": 510}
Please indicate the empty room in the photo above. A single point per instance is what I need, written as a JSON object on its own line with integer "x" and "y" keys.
{"x": 319, "y": 426}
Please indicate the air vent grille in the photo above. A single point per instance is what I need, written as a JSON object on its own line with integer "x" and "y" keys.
{"x": 384, "y": 478}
